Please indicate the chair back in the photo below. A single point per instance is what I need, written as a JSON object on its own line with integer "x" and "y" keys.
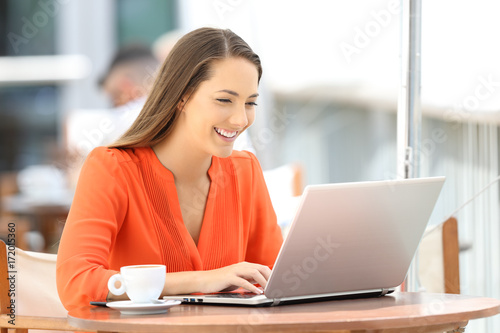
{"x": 32, "y": 278}
{"x": 439, "y": 270}
{"x": 37, "y": 289}
{"x": 286, "y": 180}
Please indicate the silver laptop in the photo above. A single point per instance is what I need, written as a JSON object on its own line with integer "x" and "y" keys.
{"x": 347, "y": 240}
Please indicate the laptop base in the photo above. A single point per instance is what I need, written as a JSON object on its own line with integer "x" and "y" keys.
{"x": 244, "y": 299}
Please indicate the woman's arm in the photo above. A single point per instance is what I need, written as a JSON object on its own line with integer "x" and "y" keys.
{"x": 96, "y": 214}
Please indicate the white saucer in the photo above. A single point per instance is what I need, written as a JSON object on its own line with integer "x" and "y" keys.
{"x": 130, "y": 308}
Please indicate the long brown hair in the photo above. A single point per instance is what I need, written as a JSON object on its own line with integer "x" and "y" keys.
{"x": 187, "y": 65}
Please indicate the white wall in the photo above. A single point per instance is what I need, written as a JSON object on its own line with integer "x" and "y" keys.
{"x": 314, "y": 42}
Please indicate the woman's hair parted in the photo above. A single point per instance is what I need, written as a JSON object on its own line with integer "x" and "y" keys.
{"x": 187, "y": 65}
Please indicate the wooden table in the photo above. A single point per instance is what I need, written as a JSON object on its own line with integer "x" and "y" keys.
{"x": 399, "y": 312}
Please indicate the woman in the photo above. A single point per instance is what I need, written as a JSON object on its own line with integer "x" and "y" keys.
{"x": 172, "y": 191}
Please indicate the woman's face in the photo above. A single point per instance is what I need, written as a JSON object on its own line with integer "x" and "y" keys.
{"x": 222, "y": 107}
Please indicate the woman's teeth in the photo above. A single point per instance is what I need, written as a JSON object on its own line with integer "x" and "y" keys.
{"x": 225, "y": 133}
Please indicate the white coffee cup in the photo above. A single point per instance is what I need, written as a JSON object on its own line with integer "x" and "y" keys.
{"x": 142, "y": 283}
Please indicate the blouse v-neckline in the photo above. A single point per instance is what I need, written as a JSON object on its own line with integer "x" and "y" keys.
{"x": 197, "y": 251}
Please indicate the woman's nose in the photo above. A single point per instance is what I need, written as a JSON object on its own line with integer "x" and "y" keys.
{"x": 239, "y": 117}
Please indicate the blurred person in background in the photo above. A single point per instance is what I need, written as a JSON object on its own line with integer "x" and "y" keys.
{"x": 127, "y": 82}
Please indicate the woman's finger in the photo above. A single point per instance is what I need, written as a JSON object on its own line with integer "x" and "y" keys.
{"x": 245, "y": 284}
{"x": 254, "y": 275}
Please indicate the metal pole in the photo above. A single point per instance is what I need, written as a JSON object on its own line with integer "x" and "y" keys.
{"x": 409, "y": 113}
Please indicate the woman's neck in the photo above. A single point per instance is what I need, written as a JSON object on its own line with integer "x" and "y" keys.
{"x": 185, "y": 164}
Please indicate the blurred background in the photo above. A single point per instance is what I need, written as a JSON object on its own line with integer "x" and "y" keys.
{"x": 328, "y": 100}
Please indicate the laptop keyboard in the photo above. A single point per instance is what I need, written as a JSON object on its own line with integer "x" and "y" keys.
{"x": 232, "y": 295}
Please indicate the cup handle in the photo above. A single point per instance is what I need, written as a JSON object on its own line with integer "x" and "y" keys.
{"x": 111, "y": 285}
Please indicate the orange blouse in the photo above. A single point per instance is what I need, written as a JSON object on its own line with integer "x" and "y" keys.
{"x": 126, "y": 212}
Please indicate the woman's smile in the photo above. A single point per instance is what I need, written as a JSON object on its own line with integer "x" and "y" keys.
{"x": 226, "y": 135}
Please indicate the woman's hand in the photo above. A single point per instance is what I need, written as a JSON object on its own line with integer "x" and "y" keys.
{"x": 240, "y": 275}
{"x": 243, "y": 274}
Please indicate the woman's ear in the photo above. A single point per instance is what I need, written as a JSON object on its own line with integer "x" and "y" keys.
{"x": 182, "y": 103}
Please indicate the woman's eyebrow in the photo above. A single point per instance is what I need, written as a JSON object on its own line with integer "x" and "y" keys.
{"x": 234, "y": 93}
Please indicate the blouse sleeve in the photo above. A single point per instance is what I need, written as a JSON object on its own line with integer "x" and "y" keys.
{"x": 265, "y": 237}
{"x": 95, "y": 217}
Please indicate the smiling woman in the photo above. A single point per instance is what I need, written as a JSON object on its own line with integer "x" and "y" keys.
{"x": 171, "y": 190}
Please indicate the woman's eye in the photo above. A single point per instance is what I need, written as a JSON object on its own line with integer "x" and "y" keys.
{"x": 252, "y": 103}
{"x": 224, "y": 100}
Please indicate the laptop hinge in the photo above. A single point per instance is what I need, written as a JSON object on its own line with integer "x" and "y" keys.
{"x": 384, "y": 292}
{"x": 276, "y": 301}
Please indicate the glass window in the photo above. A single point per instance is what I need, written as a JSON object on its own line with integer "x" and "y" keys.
{"x": 27, "y": 28}
{"x": 144, "y": 21}
{"x": 28, "y": 113}
{"x": 28, "y": 123}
